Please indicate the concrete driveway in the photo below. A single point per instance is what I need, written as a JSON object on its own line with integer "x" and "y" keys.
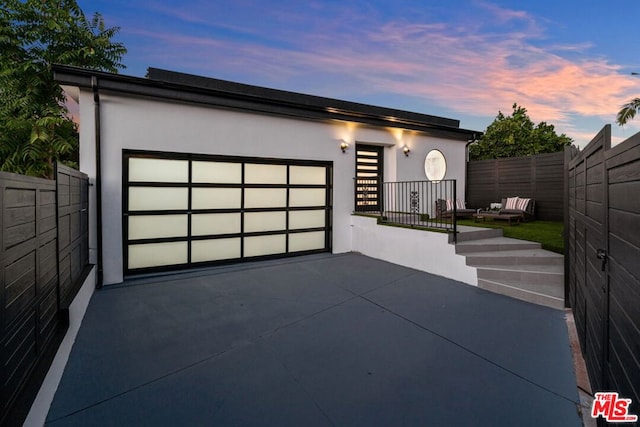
{"x": 316, "y": 340}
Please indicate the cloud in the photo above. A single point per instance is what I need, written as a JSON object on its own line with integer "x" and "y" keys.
{"x": 476, "y": 64}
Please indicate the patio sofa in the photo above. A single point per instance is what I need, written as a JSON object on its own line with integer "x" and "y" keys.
{"x": 524, "y": 207}
{"x": 444, "y": 209}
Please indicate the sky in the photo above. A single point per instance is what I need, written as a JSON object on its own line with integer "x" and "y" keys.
{"x": 568, "y": 62}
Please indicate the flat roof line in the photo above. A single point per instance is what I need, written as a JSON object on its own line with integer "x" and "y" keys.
{"x": 203, "y": 90}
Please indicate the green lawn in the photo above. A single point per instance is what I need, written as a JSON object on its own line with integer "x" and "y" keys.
{"x": 549, "y": 233}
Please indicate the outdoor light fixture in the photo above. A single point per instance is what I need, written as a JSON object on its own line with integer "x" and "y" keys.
{"x": 344, "y": 145}
{"x": 406, "y": 151}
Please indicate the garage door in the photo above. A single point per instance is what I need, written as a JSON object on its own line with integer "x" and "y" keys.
{"x": 183, "y": 210}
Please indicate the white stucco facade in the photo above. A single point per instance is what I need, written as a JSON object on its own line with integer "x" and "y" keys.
{"x": 129, "y": 122}
{"x": 423, "y": 250}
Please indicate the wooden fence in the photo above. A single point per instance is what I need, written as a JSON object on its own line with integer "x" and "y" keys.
{"x": 602, "y": 269}
{"x": 539, "y": 177}
{"x": 43, "y": 261}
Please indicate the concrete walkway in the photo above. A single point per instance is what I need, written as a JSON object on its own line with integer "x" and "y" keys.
{"x": 317, "y": 340}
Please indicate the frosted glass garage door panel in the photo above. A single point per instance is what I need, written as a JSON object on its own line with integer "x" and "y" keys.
{"x": 157, "y": 254}
{"x": 306, "y": 219}
{"x": 264, "y": 245}
{"x": 264, "y": 221}
{"x": 265, "y": 174}
{"x": 158, "y": 170}
{"x": 215, "y": 250}
{"x": 206, "y": 224}
{"x": 156, "y": 226}
{"x": 306, "y": 241}
{"x": 216, "y": 198}
{"x": 158, "y": 198}
{"x": 265, "y": 197}
{"x": 216, "y": 172}
{"x": 307, "y": 197}
{"x": 309, "y": 175}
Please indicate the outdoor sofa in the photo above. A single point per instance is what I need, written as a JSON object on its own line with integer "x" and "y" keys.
{"x": 444, "y": 209}
{"x": 524, "y": 207}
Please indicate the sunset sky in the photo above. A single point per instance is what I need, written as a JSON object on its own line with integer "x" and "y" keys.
{"x": 567, "y": 62}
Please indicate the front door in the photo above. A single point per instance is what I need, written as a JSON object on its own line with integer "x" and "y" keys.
{"x": 368, "y": 185}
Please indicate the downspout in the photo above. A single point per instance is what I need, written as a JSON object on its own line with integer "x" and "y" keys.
{"x": 466, "y": 163}
{"x": 96, "y": 110}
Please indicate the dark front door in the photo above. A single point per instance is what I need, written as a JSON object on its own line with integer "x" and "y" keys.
{"x": 368, "y": 188}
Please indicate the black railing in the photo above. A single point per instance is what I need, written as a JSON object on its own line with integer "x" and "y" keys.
{"x": 425, "y": 204}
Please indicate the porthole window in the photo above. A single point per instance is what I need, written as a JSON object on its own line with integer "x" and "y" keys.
{"x": 435, "y": 165}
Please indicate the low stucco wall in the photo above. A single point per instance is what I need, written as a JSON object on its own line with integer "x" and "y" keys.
{"x": 40, "y": 407}
{"x": 419, "y": 249}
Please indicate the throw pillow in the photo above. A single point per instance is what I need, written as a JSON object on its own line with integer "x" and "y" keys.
{"x": 511, "y": 203}
{"x": 460, "y": 204}
{"x": 522, "y": 204}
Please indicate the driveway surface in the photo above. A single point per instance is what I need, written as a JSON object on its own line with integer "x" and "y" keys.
{"x": 321, "y": 340}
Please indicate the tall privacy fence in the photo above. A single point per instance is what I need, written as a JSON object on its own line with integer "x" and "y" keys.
{"x": 43, "y": 262}
{"x": 539, "y": 177}
{"x": 602, "y": 249}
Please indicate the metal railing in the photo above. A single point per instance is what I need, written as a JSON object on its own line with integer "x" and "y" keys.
{"x": 412, "y": 203}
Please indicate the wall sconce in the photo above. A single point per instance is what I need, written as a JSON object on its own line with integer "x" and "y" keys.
{"x": 344, "y": 145}
{"x": 406, "y": 151}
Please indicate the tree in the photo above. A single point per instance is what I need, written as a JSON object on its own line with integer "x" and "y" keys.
{"x": 628, "y": 111}
{"x": 35, "y": 128}
{"x": 517, "y": 135}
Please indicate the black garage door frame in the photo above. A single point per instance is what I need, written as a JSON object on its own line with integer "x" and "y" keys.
{"x": 243, "y": 186}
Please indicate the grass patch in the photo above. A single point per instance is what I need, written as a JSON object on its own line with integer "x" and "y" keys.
{"x": 383, "y": 221}
{"x": 548, "y": 233}
{"x": 413, "y": 227}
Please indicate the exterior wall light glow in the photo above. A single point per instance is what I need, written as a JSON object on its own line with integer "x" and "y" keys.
{"x": 406, "y": 150}
{"x": 344, "y": 145}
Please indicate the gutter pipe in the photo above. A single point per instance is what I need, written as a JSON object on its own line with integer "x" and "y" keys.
{"x": 473, "y": 140}
{"x": 96, "y": 109}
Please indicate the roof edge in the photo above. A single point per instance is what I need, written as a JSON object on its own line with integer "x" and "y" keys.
{"x": 204, "y": 90}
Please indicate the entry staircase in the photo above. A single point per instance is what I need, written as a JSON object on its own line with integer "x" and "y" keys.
{"x": 512, "y": 267}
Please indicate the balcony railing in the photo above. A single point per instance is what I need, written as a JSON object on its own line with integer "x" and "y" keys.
{"x": 411, "y": 203}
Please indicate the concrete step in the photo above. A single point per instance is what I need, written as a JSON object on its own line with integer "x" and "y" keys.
{"x": 514, "y": 257}
{"x": 466, "y": 233}
{"x": 495, "y": 244}
{"x": 523, "y": 274}
{"x": 516, "y": 268}
{"x": 550, "y": 296}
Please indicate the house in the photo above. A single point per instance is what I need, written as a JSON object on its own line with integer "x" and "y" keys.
{"x": 190, "y": 171}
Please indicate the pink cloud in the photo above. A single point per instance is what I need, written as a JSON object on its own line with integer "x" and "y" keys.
{"x": 464, "y": 68}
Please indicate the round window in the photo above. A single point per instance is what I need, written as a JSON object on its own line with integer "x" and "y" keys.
{"x": 435, "y": 165}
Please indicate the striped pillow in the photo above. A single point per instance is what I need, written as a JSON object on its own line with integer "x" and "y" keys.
{"x": 511, "y": 203}
{"x": 460, "y": 204}
{"x": 522, "y": 204}
{"x": 449, "y": 204}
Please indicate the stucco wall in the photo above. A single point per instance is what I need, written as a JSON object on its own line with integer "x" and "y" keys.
{"x": 419, "y": 249}
{"x": 411, "y": 168}
{"x": 148, "y": 124}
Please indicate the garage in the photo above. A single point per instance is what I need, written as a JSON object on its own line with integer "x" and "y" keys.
{"x": 187, "y": 210}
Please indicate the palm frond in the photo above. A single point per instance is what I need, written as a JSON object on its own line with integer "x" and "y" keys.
{"x": 628, "y": 111}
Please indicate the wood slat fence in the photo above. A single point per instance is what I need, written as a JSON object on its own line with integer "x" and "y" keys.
{"x": 43, "y": 262}
{"x": 540, "y": 177}
{"x": 602, "y": 232}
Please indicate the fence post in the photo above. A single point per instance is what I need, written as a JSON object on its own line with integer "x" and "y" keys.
{"x": 567, "y": 261}
{"x": 455, "y": 212}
